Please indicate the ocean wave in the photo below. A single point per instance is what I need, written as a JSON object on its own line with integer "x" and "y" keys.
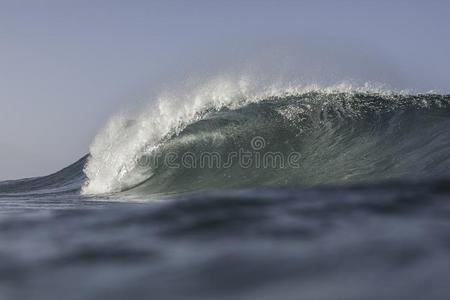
{"x": 339, "y": 134}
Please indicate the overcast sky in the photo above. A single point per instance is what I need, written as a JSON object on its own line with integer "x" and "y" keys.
{"x": 66, "y": 66}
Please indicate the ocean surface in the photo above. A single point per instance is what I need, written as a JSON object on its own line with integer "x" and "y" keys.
{"x": 223, "y": 194}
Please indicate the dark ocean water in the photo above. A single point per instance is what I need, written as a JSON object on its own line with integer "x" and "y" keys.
{"x": 363, "y": 212}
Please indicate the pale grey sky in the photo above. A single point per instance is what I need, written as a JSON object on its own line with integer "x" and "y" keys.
{"x": 66, "y": 66}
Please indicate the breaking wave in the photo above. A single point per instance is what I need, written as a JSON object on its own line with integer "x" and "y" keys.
{"x": 339, "y": 134}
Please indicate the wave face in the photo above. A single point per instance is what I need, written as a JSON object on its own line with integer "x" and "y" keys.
{"x": 228, "y": 136}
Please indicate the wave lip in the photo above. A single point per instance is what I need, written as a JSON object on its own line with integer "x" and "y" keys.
{"x": 339, "y": 134}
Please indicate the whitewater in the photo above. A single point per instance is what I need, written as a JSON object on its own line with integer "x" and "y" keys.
{"x": 309, "y": 191}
